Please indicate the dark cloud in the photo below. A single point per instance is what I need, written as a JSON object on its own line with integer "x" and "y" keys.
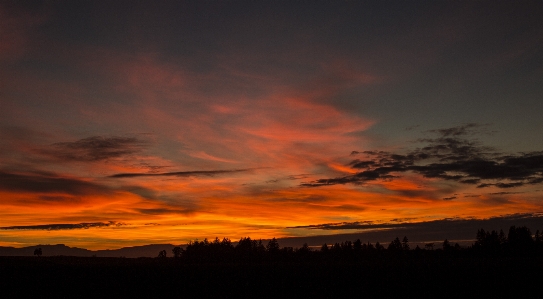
{"x": 179, "y": 173}
{"x": 410, "y": 128}
{"x": 403, "y": 219}
{"x": 502, "y": 185}
{"x": 48, "y": 183}
{"x": 449, "y": 198}
{"x": 141, "y": 191}
{"x": 64, "y": 226}
{"x": 457, "y": 131}
{"x": 435, "y": 194}
{"x": 505, "y": 193}
{"x": 96, "y": 148}
{"x": 461, "y": 230}
{"x": 297, "y": 177}
{"x": 289, "y": 178}
{"x": 470, "y": 181}
{"x": 449, "y": 157}
{"x": 151, "y": 168}
{"x": 52, "y": 184}
{"x": 536, "y": 218}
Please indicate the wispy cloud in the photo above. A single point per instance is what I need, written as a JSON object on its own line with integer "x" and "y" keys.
{"x": 535, "y": 218}
{"x": 179, "y": 173}
{"x": 64, "y": 226}
{"x": 49, "y": 183}
{"x": 96, "y": 148}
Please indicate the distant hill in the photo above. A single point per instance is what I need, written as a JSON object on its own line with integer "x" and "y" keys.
{"x": 462, "y": 231}
{"x": 61, "y": 249}
{"x": 150, "y": 250}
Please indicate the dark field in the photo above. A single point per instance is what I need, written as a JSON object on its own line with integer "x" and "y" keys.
{"x": 421, "y": 274}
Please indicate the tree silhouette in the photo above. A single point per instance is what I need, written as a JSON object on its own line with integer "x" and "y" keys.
{"x": 347, "y": 246}
{"x": 273, "y": 246}
{"x": 246, "y": 245}
{"x": 357, "y": 245}
{"x": 405, "y": 243}
{"x": 324, "y": 248}
{"x": 481, "y": 238}
{"x": 226, "y": 243}
{"x": 519, "y": 239}
{"x": 501, "y": 237}
{"x": 304, "y": 250}
{"x": 395, "y": 245}
{"x": 489, "y": 241}
{"x": 37, "y": 252}
{"x": 177, "y": 251}
{"x": 446, "y": 245}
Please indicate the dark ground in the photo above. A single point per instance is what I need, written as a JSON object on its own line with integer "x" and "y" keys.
{"x": 371, "y": 277}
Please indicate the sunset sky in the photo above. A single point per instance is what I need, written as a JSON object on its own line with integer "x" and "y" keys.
{"x": 136, "y": 122}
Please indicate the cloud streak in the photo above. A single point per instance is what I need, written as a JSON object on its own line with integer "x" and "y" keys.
{"x": 49, "y": 183}
{"x": 534, "y": 218}
{"x": 179, "y": 173}
{"x": 451, "y": 157}
{"x": 64, "y": 226}
{"x": 96, "y": 148}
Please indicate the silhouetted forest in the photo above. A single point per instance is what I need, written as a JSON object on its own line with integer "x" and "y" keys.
{"x": 497, "y": 265}
{"x": 517, "y": 242}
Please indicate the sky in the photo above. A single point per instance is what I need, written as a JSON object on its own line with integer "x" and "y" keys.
{"x": 125, "y": 123}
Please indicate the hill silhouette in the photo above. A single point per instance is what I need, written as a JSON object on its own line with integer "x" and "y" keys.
{"x": 61, "y": 249}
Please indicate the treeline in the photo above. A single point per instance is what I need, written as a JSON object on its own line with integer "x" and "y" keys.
{"x": 518, "y": 241}
{"x": 497, "y": 265}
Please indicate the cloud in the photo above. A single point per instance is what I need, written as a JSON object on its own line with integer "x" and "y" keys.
{"x": 96, "y": 148}
{"x": 448, "y": 157}
{"x": 369, "y": 225}
{"x": 48, "y": 183}
{"x": 505, "y": 193}
{"x": 457, "y": 131}
{"x": 179, "y": 173}
{"x": 461, "y": 230}
{"x": 83, "y": 225}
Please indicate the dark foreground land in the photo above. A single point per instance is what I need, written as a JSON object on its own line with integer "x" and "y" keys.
{"x": 495, "y": 266}
{"x": 413, "y": 275}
